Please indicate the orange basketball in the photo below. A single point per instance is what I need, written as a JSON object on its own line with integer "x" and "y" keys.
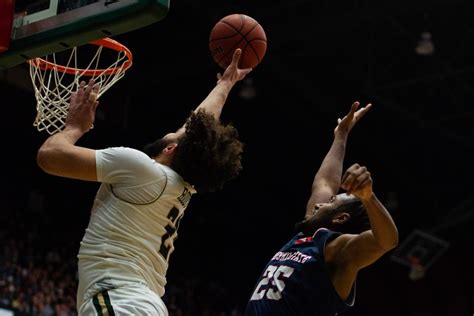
{"x": 238, "y": 31}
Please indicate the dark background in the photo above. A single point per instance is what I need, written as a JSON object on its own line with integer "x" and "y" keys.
{"x": 417, "y": 140}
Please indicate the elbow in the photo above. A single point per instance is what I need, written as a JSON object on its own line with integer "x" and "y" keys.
{"x": 42, "y": 160}
{"x": 393, "y": 242}
{"x": 395, "y": 237}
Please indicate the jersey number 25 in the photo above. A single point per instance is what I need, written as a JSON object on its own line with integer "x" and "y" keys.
{"x": 272, "y": 283}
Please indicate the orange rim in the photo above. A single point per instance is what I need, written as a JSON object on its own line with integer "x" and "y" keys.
{"x": 106, "y": 42}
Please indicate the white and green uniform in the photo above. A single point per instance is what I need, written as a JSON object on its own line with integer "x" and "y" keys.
{"x": 133, "y": 223}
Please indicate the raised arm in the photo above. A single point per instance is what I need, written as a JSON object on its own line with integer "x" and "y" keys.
{"x": 59, "y": 155}
{"x": 358, "y": 251}
{"x": 348, "y": 253}
{"x": 215, "y": 100}
{"x": 327, "y": 180}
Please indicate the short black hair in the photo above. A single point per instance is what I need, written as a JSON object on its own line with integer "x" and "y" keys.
{"x": 358, "y": 220}
{"x": 355, "y": 224}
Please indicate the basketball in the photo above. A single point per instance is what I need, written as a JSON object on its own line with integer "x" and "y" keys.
{"x": 238, "y": 31}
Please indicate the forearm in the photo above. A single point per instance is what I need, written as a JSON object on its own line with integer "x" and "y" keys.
{"x": 382, "y": 225}
{"x": 67, "y": 137}
{"x": 216, "y": 99}
{"x": 331, "y": 168}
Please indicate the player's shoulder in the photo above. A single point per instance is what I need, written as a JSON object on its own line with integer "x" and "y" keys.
{"x": 122, "y": 154}
{"x": 127, "y": 159}
{"x": 325, "y": 235}
{"x": 123, "y": 151}
{"x": 320, "y": 236}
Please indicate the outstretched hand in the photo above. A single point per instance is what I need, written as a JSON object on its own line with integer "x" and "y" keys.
{"x": 345, "y": 124}
{"x": 82, "y": 107}
{"x": 233, "y": 73}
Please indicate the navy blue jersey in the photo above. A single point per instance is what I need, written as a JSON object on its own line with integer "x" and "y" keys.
{"x": 296, "y": 281}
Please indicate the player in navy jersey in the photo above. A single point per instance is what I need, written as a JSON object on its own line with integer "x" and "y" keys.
{"x": 315, "y": 272}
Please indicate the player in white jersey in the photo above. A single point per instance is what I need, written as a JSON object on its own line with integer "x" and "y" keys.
{"x": 124, "y": 253}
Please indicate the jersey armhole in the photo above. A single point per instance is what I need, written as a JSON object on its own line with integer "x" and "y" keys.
{"x": 135, "y": 203}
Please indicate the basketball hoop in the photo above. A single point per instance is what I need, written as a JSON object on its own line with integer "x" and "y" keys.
{"x": 54, "y": 80}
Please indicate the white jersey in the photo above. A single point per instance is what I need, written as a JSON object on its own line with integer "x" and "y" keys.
{"x": 133, "y": 222}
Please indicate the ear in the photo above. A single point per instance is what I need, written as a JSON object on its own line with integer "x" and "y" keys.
{"x": 170, "y": 149}
{"x": 341, "y": 218}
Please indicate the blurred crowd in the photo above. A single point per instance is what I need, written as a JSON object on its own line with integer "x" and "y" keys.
{"x": 38, "y": 276}
{"x": 36, "y": 280}
{"x": 192, "y": 296}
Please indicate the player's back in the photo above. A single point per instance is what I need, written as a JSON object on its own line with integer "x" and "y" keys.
{"x": 296, "y": 281}
{"x": 133, "y": 223}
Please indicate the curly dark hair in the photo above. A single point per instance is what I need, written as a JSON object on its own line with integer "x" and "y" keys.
{"x": 209, "y": 153}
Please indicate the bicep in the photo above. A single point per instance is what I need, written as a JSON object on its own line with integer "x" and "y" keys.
{"x": 71, "y": 162}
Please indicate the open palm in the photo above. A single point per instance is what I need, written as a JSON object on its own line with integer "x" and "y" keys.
{"x": 349, "y": 121}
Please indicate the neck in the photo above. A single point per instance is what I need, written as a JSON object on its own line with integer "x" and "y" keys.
{"x": 163, "y": 160}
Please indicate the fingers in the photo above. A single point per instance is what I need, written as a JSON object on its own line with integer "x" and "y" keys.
{"x": 90, "y": 92}
{"x": 73, "y": 98}
{"x": 87, "y": 94}
{"x": 94, "y": 93}
{"x": 84, "y": 105}
{"x": 355, "y": 177}
{"x": 347, "y": 174}
{"x": 80, "y": 91}
{"x": 360, "y": 182}
{"x": 88, "y": 89}
{"x": 361, "y": 112}
{"x": 354, "y": 107}
{"x": 245, "y": 72}
{"x": 92, "y": 97}
{"x": 236, "y": 56}
{"x": 93, "y": 110}
{"x": 233, "y": 72}
{"x": 356, "y": 113}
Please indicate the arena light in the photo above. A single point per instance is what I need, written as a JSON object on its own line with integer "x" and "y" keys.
{"x": 425, "y": 46}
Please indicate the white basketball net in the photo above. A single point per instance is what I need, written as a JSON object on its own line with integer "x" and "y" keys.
{"x": 53, "y": 87}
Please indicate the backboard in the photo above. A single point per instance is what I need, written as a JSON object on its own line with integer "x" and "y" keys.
{"x": 41, "y": 27}
{"x": 419, "y": 251}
